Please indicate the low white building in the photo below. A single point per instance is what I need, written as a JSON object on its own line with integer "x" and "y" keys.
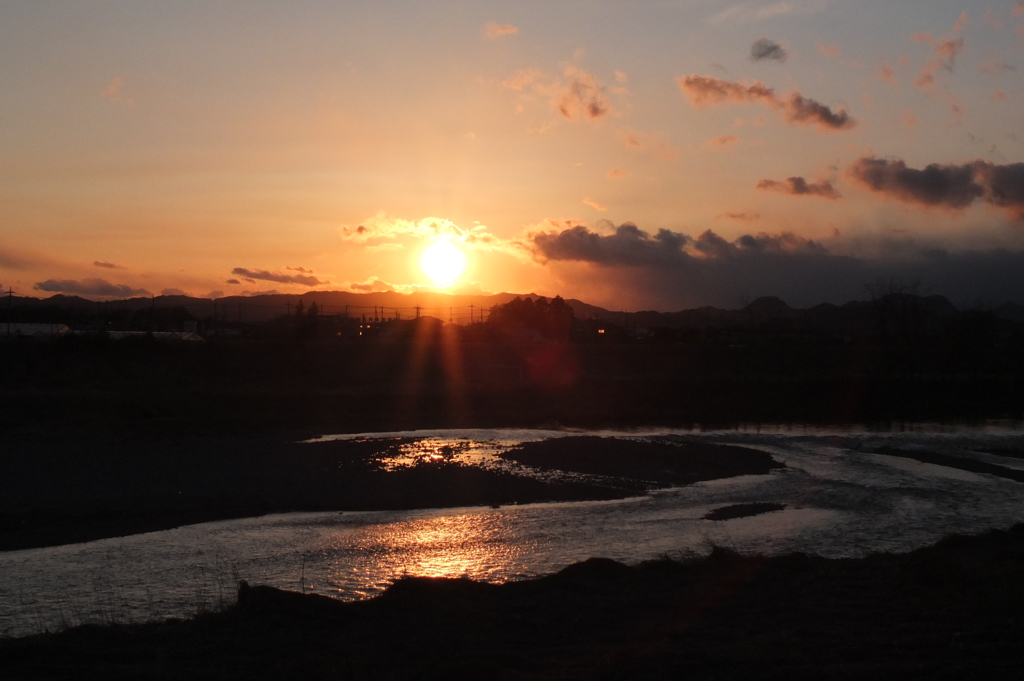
{"x": 15, "y": 329}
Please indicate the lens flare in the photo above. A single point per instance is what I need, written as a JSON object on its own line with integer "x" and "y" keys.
{"x": 443, "y": 262}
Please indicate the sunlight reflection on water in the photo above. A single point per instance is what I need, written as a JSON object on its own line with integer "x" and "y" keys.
{"x": 840, "y": 500}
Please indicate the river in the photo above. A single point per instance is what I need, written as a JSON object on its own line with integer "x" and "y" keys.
{"x": 840, "y": 501}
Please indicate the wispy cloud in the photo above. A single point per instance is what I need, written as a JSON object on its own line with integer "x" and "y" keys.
{"x": 885, "y": 73}
{"x": 113, "y": 89}
{"x": 945, "y": 53}
{"x": 278, "y": 277}
{"x": 724, "y": 140}
{"x": 994, "y": 66}
{"x": 827, "y": 50}
{"x": 746, "y": 12}
{"x": 106, "y": 265}
{"x": 494, "y": 30}
{"x": 616, "y": 174}
{"x": 653, "y": 144}
{"x": 708, "y": 90}
{"x": 594, "y": 204}
{"x": 742, "y": 217}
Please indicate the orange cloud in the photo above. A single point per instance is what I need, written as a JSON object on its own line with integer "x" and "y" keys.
{"x": 616, "y": 174}
{"x": 662, "y": 151}
{"x": 494, "y": 30}
{"x": 827, "y": 50}
{"x": 594, "y": 204}
{"x": 960, "y": 23}
{"x": 946, "y": 51}
{"x": 581, "y": 96}
{"x": 884, "y": 72}
{"x": 113, "y": 89}
{"x": 382, "y": 228}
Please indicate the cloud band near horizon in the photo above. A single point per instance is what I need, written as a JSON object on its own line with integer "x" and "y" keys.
{"x": 685, "y": 271}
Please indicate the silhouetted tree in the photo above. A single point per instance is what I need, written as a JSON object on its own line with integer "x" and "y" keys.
{"x": 551, "y": 319}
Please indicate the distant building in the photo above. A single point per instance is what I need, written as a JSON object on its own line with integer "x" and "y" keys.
{"x": 18, "y": 329}
{"x": 157, "y": 335}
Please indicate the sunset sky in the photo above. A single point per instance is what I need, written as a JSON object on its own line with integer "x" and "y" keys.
{"x": 635, "y": 155}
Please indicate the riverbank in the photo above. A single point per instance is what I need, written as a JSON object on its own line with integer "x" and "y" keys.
{"x": 949, "y": 611}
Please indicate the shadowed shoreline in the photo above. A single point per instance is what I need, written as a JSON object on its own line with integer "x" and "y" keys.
{"x": 948, "y": 611}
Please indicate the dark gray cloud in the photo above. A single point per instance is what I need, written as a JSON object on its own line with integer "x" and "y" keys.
{"x": 800, "y": 109}
{"x": 106, "y": 265}
{"x": 232, "y": 281}
{"x": 1004, "y": 185}
{"x": 278, "y": 277}
{"x": 672, "y": 270}
{"x": 628, "y": 245}
{"x": 768, "y": 49}
{"x": 90, "y": 287}
{"x": 708, "y": 90}
{"x": 798, "y": 186}
{"x": 951, "y": 185}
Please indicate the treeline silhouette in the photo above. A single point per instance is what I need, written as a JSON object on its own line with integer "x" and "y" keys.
{"x": 530, "y": 361}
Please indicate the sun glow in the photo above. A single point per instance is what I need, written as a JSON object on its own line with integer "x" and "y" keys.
{"x": 443, "y": 262}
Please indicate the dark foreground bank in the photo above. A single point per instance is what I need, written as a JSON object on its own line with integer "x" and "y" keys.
{"x": 950, "y": 611}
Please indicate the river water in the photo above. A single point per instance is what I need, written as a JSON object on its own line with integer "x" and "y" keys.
{"x": 840, "y": 501}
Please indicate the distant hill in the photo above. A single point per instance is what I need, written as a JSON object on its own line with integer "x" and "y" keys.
{"x": 892, "y": 311}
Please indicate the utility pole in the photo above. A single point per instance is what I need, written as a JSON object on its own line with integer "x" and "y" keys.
{"x": 472, "y": 317}
{"x": 417, "y": 312}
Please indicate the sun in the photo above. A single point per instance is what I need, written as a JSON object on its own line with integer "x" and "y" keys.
{"x": 443, "y": 262}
